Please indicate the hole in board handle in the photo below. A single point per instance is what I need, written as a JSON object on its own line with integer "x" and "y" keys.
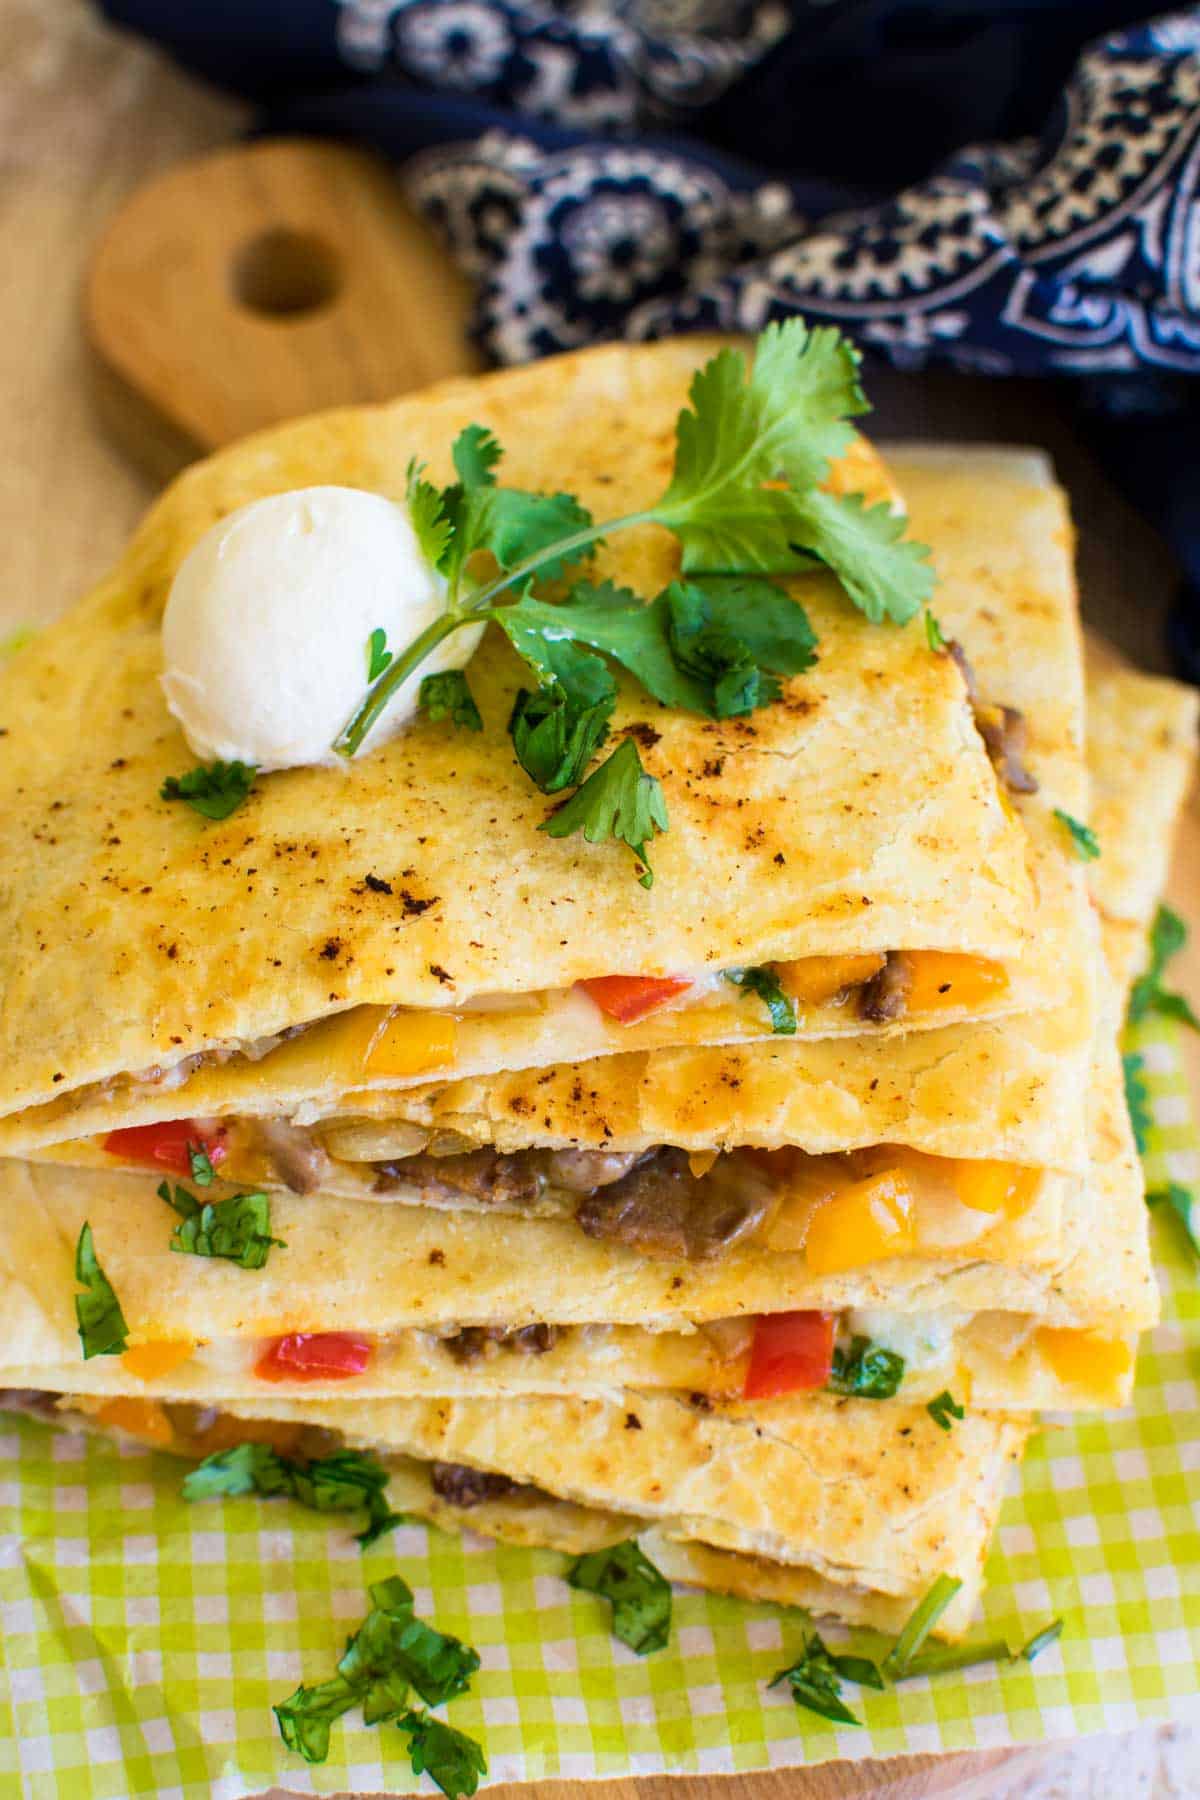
{"x": 286, "y": 274}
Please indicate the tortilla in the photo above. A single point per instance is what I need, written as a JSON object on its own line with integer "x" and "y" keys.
{"x": 1141, "y": 757}
{"x": 859, "y": 815}
{"x": 858, "y": 1533}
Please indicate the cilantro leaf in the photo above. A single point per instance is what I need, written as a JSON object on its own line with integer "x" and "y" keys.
{"x": 766, "y": 984}
{"x": 203, "y": 1173}
{"x": 378, "y": 655}
{"x": 1168, "y": 935}
{"x": 816, "y": 1677}
{"x": 431, "y": 525}
{"x": 391, "y": 1651}
{"x": 865, "y": 1369}
{"x": 102, "y": 1327}
{"x": 618, "y": 800}
{"x": 934, "y": 636}
{"x": 640, "y": 1596}
{"x": 557, "y": 729}
{"x": 788, "y": 419}
{"x": 1183, "y": 1203}
{"x": 1087, "y": 844}
{"x": 943, "y": 1409}
{"x": 447, "y": 696}
{"x": 711, "y": 646}
{"x": 237, "y": 1230}
{"x": 1137, "y": 1100}
{"x": 734, "y": 636}
{"x": 475, "y": 453}
{"x": 886, "y": 574}
{"x": 213, "y": 789}
{"x": 341, "y": 1482}
{"x": 305, "y": 1716}
{"x": 451, "y": 1758}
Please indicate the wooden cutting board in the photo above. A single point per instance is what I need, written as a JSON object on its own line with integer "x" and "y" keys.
{"x": 260, "y": 282}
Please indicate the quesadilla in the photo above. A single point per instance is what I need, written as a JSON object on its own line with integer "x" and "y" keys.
{"x": 849, "y": 1509}
{"x": 409, "y": 908}
{"x": 1008, "y": 1088}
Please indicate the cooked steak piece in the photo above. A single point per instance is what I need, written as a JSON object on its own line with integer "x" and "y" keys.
{"x": 480, "y": 1174}
{"x": 663, "y": 1210}
{"x": 298, "y": 1158}
{"x": 468, "y": 1487}
{"x": 474, "y": 1341}
{"x": 1002, "y": 729}
{"x": 885, "y": 996}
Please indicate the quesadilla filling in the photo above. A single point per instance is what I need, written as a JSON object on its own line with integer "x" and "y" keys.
{"x": 840, "y": 1210}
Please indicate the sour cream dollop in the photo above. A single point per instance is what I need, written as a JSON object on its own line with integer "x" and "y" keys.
{"x": 267, "y": 626}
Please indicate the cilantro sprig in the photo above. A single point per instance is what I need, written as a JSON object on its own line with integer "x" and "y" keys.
{"x": 744, "y": 502}
{"x": 391, "y": 1652}
{"x": 1137, "y": 1099}
{"x": 341, "y": 1482}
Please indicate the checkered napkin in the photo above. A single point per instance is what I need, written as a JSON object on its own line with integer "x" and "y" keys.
{"x": 142, "y": 1640}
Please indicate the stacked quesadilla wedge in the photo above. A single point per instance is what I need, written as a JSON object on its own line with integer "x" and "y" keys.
{"x": 711, "y": 1284}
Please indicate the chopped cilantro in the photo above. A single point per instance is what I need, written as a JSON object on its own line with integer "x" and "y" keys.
{"x": 1168, "y": 935}
{"x": 640, "y": 1596}
{"x": 451, "y": 1758}
{"x": 934, "y": 635}
{"x": 1087, "y": 844}
{"x": 618, "y": 800}
{"x": 203, "y": 1173}
{"x": 237, "y": 1230}
{"x": 816, "y": 1680}
{"x": 214, "y": 789}
{"x": 390, "y": 1652}
{"x": 1183, "y": 1203}
{"x": 865, "y": 1369}
{"x": 1137, "y": 1100}
{"x": 766, "y": 984}
{"x": 378, "y": 654}
{"x": 102, "y": 1327}
{"x": 342, "y": 1482}
{"x": 943, "y": 1409}
{"x": 447, "y": 696}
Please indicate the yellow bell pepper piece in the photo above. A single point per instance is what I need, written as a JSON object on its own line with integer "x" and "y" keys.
{"x": 150, "y": 1362}
{"x": 413, "y": 1043}
{"x": 142, "y": 1419}
{"x": 812, "y": 979}
{"x": 993, "y": 1187}
{"x": 864, "y": 1222}
{"x": 940, "y": 979}
{"x": 1085, "y": 1359}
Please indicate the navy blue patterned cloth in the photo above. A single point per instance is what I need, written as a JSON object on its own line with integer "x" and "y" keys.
{"x": 1005, "y": 188}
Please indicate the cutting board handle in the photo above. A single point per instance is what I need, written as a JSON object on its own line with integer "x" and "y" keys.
{"x": 261, "y": 282}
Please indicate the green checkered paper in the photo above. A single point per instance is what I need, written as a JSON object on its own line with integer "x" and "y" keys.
{"x": 144, "y": 1640}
